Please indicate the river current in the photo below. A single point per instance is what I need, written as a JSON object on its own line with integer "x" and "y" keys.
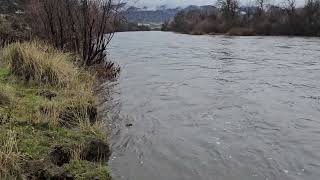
{"x": 215, "y": 107}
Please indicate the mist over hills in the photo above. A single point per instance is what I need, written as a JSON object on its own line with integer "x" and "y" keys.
{"x": 160, "y": 14}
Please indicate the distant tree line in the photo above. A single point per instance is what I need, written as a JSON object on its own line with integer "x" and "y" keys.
{"x": 259, "y": 19}
{"x": 125, "y": 26}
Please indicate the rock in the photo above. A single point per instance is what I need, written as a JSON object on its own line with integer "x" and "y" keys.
{"x": 60, "y": 156}
{"x": 129, "y": 125}
{"x": 96, "y": 150}
{"x": 41, "y": 169}
{"x": 93, "y": 114}
{"x": 47, "y": 94}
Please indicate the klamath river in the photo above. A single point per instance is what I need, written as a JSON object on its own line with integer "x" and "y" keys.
{"x": 216, "y": 107}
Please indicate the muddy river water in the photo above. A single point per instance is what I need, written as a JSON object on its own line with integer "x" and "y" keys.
{"x": 216, "y": 107}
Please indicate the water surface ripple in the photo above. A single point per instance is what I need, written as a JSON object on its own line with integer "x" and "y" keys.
{"x": 216, "y": 107}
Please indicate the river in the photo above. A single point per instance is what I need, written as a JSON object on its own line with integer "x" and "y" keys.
{"x": 216, "y": 107}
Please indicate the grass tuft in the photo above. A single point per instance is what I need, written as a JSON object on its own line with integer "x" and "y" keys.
{"x": 6, "y": 96}
{"x": 39, "y": 63}
{"x": 10, "y": 158}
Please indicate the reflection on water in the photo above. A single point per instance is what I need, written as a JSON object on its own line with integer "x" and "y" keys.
{"x": 215, "y": 107}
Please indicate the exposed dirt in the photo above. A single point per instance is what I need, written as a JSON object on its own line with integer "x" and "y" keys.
{"x": 96, "y": 150}
{"x": 60, "y": 155}
{"x": 47, "y": 94}
{"x": 43, "y": 169}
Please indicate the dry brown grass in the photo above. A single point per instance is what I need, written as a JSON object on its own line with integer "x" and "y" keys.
{"x": 39, "y": 63}
{"x": 6, "y": 96}
{"x": 42, "y": 67}
{"x": 10, "y": 158}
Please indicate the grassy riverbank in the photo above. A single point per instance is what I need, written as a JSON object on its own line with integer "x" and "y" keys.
{"x": 48, "y": 117}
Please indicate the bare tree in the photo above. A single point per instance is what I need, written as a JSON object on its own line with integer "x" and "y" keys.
{"x": 290, "y": 7}
{"x": 312, "y": 10}
{"x": 261, "y": 6}
{"x": 248, "y": 10}
{"x": 82, "y": 26}
{"x": 312, "y": 14}
{"x": 229, "y": 9}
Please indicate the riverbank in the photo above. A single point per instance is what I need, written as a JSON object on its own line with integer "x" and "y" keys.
{"x": 232, "y": 32}
{"x": 239, "y": 32}
{"x": 48, "y": 117}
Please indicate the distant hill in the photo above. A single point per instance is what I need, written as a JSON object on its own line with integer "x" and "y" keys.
{"x": 160, "y": 15}
{"x": 138, "y": 15}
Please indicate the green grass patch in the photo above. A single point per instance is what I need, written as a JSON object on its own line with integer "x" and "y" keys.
{"x": 88, "y": 170}
{"x": 35, "y": 141}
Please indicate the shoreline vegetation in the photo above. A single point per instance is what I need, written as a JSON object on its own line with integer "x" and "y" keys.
{"x": 129, "y": 26}
{"x": 52, "y": 56}
{"x": 261, "y": 18}
{"x": 48, "y": 117}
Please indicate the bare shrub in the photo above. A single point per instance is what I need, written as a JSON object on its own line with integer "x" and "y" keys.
{"x": 209, "y": 26}
{"x": 85, "y": 27}
{"x": 240, "y": 31}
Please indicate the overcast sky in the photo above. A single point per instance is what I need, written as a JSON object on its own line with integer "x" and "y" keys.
{"x": 175, "y": 3}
